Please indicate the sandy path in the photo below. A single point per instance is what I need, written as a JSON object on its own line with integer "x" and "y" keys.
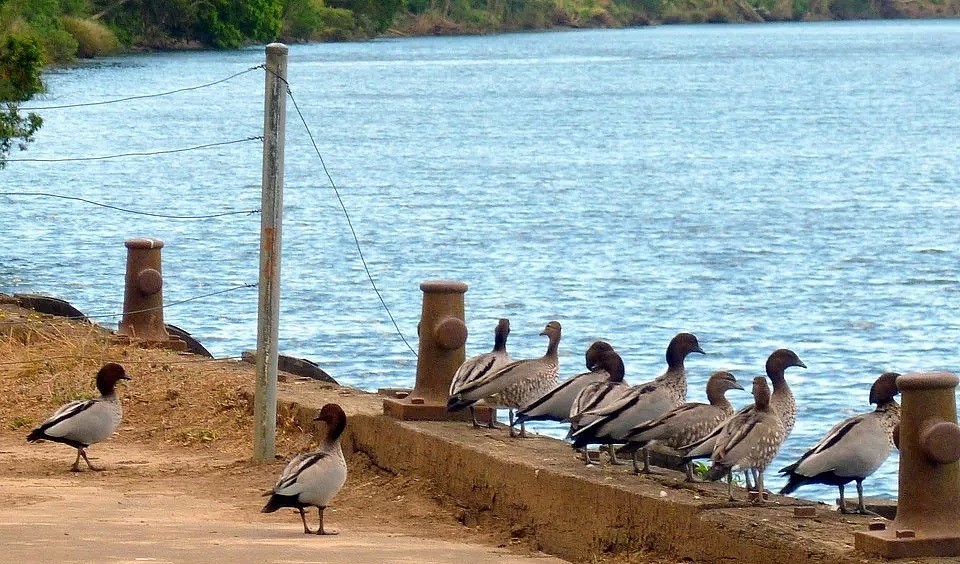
{"x": 169, "y": 505}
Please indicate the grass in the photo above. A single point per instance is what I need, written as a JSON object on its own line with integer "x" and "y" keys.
{"x": 173, "y": 398}
{"x": 93, "y": 38}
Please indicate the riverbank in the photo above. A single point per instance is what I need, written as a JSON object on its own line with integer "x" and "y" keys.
{"x": 184, "y": 444}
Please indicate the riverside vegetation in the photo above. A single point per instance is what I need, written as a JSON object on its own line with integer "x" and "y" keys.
{"x": 36, "y": 33}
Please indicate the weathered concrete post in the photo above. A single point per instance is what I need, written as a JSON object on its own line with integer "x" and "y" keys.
{"x": 271, "y": 221}
{"x": 443, "y": 335}
{"x": 928, "y": 504}
{"x": 142, "y": 320}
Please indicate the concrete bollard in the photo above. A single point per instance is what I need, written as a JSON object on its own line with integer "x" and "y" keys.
{"x": 928, "y": 504}
{"x": 142, "y": 321}
{"x": 443, "y": 334}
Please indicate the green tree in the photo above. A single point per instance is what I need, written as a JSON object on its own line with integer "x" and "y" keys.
{"x": 21, "y": 60}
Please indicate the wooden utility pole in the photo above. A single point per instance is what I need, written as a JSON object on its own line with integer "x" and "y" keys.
{"x": 271, "y": 216}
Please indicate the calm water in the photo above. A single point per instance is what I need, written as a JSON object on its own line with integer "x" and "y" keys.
{"x": 762, "y": 186}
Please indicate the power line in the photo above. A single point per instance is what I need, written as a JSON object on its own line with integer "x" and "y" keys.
{"x": 89, "y": 317}
{"x": 138, "y": 154}
{"x": 193, "y": 299}
{"x": 167, "y": 216}
{"x": 142, "y": 96}
{"x": 123, "y": 361}
{"x": 346, "y": 214}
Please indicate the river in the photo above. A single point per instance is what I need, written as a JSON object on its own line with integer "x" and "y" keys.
{"x": 763, "y": 186}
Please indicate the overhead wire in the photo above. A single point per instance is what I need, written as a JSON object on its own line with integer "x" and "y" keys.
{"x": 143, "y": 96}
{"x": 346, "y": 214}
{"x": 136, "y": 154}
{"x": 125, "y": 210}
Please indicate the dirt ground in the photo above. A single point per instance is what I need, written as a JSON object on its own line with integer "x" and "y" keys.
{"x": 176, "y": 504}
{"x": 179, "y": 483}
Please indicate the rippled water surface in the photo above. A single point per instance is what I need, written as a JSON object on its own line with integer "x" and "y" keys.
{"x": 761, "y": 186}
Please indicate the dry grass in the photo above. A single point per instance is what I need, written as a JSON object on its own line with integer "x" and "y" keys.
{"x": 93, "y": 38}
{"x": 174, "y": 399}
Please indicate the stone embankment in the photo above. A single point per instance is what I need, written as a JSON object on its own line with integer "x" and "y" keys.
{"x": 575, "y": 512}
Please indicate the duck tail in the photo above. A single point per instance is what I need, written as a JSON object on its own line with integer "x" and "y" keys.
{"x": 794, "y": 481}
{"x": 456, "y": 403}
{"x": 275, "y": 502}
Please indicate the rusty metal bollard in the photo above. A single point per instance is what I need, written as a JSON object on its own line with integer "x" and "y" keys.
{"x": 928, "y": 504}
{"x": 443, "y": 335}
{"x": 142, "y": 321}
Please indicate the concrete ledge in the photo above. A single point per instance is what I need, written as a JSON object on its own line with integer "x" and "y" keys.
{"x": 575, "y": 512}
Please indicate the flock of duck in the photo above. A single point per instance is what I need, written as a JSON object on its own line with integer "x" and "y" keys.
{"x": 602, "y": 409}
{"x": 311, "y": 479}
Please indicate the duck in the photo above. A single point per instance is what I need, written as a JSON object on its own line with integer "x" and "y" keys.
{"x": 642, "y": 402}
{"x": 598, "y": 395}
{"x": 517, "y": 382}
{"x": 853, "y": 449}
{"x": 782, "y": 403}
{"x": 750, "y": 441}
{"x": 556, "y": 403}
{"x": 477, "y": 370}
{"x": 81, "y": 423}
{"x": 686, "y": 423}
{"x": 523, "y": 381}
{"x": 312, "y": 479}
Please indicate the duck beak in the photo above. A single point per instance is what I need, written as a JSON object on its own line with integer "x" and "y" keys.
{"x": 801, "y": 364}
{"x": 736, "y": 386}
{"x": 544, "y": 332}
{"x": 699, "y": 350}
{"x": 125, "y": 377}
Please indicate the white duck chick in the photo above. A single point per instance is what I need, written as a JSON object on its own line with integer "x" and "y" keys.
{"x": 555, "y": 404}
{"x": 477, "y": 370}
{"x": 853, "y": 449}
{"x": 521, "y": 381}
{"x": 82, "y": 423}
{"x": 598, "y": 395}
{"x": 782, "y": 402}
{"x": 312, "y": 479}
{"x": 750, "y": 441}
{"x": 685, "y": 424}
{"x": 642, "y": 402}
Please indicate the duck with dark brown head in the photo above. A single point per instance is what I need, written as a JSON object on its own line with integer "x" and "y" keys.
{"x": 853, "y": 449}
{"x": 312, "y": 479}
{"x": 556, "y": 403}
{"x": 82, "y": 423}
{"x": 476, "y": 371}
{"x": 642, "y": 402}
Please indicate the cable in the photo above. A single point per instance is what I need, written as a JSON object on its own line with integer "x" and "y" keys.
{"x": 195, "y": 298}
{"x": 124, "y": 361}
{"x": 142, "y": 96}
{"x": 141, "y": 154}
{"x": 49, "y": 195}
{"x": 346, "y": 214}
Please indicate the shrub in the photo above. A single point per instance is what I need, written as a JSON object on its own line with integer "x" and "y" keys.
{"x": 93, "y": 38}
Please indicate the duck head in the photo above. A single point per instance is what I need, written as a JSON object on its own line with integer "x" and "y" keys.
{"x": 719, "y": 383}
{"x": 336, "y": 420}
{"x": 778, "y": 362}
{"x": 595, "y": 353}
{"x": 500, "y": 334}
{"x": 761, "y": 393}
{"x": 680, "y": 346}
{"x": 108, "y": 376}
{"x": 884, "y": 389}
